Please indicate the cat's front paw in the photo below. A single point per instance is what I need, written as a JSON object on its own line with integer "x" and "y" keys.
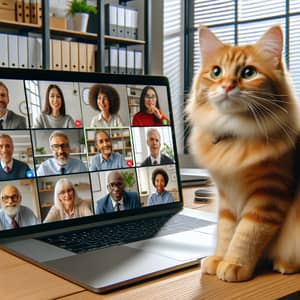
{"x": 209, "y": 264}
{"x": 233, "y": 272}
{"x": 285, "y": 268}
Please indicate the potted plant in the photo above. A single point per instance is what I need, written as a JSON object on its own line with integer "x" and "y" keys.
{"x": 128, "y": 179}
{"x": 82, "y": 144}
{"x": 166, "y": 149}
{"x": 40, "y": 150}
{"x": 79, "y": 10}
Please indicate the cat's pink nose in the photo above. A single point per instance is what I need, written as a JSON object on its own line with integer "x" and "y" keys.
{"x": 228, "y": 87}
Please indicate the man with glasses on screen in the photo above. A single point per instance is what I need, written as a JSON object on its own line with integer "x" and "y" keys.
{"x": 12, "y": 214}
{"x": 61, "y": 162}
{"x": 9, "y": 119}
{"x": 117, "y": 198}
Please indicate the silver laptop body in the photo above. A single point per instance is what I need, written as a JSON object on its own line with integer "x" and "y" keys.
{"x": 120, "y": 264}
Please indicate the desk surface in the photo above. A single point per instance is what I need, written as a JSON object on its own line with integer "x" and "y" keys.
{"x": 22, "y": 280}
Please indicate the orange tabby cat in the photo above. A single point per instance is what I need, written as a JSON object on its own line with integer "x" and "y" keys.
{"x": 244, "y": 120}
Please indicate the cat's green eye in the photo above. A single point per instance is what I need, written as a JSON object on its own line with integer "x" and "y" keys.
{"x": 216, "y": 72}
{"x": 248, "y": 72}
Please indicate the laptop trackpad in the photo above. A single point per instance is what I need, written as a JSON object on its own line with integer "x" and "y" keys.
{"x": 105, "y": 269}
{"x": 183, "y": 246}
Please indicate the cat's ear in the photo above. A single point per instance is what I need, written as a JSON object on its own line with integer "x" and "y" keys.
{"x": 209, "y": 43}
{"x": 270, "y": 46}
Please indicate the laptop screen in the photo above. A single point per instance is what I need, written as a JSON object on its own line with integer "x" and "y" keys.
{"x": 79, "y": 147}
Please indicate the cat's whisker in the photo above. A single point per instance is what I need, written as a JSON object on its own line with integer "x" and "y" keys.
{"x": 269, "y": 110}
{"x": 267, "y": 93}
{"x": 260, "y": 124}
{"x": 256, "y": 97}
{"x": 289, "y": 132}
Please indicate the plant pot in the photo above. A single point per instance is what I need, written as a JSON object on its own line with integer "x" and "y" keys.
{"x": 79, "y": 22}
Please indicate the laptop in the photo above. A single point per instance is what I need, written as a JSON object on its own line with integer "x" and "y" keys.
{"x": 80, "y": 222}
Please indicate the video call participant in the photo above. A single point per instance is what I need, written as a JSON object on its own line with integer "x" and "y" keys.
{"x": 67, "y": 204}
{"x": 11, "y": 168}
{"x": 54, "y": 112}
{"x": 13, "y": 214}
{"x": 106, "y": 159}
{"x": 9, "y": 119}
{"x": 160, "y": 180}
{"x": 117, "y": 199}
{"x": 154, "y": 144}
{"x": 61, "y": 162}
{"x": 150, "y": 113}
{"x": 106, "y": 100}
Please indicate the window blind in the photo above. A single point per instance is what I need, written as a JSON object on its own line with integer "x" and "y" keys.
{"x": 173, "y": 61}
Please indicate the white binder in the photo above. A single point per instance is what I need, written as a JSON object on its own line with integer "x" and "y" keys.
{"x": 32, "y": 49}
{"x": 134, "y": 23}
{"x": 130, "y": 61}
{"x": 131, "y": 23}
{"x": 122, "y": 60}
{"x": 138, "y": 62}
{"x": 4, "y": 50}
{"x": 22, "y": 51}
{"x": 111, "y": 20}
{"x": 113, "y": 59}
{"x": 39, "y": 52}
{"x": 13, "y": 61}
{"x": 121, "y": 21}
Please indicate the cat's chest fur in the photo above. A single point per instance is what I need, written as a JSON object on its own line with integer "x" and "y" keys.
{"x": 237, "y": 164}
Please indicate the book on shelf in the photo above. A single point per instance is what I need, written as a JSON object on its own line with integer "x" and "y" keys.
{"x": 19, "y": 10}
{"x": 26, "y": 11}
{"x": 123, "y": 61}
{"x": 121, "y": 21}
{"x": 131, "y": 23}
{"x": 23, "y": 51}
{"x": 13, "y": 55}
{"x": 65, "y": 56}
{"x": 111, "y": 19}
{"x": 72, "y": 56}
{"x": 33, "y": 12}
{"x": 7, "y": 10}
{"x": 4, "y": 50}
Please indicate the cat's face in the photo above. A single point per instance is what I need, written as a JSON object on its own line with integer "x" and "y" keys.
{"x": 233, "y": 80}
{"x": 241, "y": 90}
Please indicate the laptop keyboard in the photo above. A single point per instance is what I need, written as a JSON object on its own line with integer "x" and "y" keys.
{"x": 122, "y": 233}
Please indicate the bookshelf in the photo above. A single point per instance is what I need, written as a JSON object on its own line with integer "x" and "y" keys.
{"x": 133, "y": 96}
{"x": 98, "y": 39}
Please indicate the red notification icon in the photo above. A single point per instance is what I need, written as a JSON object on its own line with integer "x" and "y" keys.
{"x": 77, "y": 123}
{"x": 129, "y": 163}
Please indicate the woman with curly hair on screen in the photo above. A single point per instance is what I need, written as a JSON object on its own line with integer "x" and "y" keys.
{"x": 106, "y": 100}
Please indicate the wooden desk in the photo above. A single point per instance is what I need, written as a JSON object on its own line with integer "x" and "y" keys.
{"x": 22, "y": 280}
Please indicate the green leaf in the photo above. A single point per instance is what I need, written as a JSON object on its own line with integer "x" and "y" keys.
{"x": 80, "y": 6}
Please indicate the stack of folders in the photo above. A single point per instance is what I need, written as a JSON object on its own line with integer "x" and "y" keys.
{"x": 123, "y": 61}
{"x": 72, "y": 56}
{"x": 19, "y": 51}
{"x": 121, "y": 21}
{"x": 28, "y": 11}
